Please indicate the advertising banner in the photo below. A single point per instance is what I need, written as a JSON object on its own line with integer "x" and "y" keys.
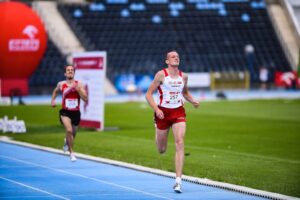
{"x": 133, "y": 83}
{"x": 91, "y": 70}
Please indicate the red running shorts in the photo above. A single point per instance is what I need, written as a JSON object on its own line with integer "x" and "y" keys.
{"x": 171, "y": 116}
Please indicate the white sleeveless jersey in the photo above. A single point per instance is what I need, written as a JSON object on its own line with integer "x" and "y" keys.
{"x": 170, "y": 91}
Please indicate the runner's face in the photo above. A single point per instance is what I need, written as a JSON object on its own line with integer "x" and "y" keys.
{"x": 69, "y": 72}
{"x": 173, "y": 59}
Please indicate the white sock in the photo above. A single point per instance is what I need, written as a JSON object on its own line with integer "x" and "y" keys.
{"x": 178, "y": 180}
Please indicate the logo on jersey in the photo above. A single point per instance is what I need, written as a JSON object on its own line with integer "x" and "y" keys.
{"x": 175, "y": 83}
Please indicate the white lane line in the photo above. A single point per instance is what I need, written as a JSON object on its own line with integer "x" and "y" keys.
{"x": 196, "y": 180}
{"x": 86, "y": 177}
{"x": 34, "y": 188}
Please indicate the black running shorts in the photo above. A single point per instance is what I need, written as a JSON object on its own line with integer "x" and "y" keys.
{"x": 73, "y": 115}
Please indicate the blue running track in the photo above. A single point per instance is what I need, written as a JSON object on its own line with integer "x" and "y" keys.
{"x": 27, "y": 173}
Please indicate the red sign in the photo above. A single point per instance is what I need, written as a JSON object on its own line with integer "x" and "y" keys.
{"x": 88, "y": 63}
{"x": 23, "y": 42}
{"x": 286, "y": 79}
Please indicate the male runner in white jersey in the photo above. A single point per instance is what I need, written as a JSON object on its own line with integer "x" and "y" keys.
{"x": 72, "y": 91}
{"x": 171, "y": 85}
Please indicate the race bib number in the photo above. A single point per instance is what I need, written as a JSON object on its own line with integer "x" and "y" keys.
{"x": 173, "y": 97}
{"x": 71, "y": 103}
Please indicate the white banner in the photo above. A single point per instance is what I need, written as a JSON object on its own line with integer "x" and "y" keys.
{"x": 199, "y": 80}
{"x": 13, "y": 126}
{"x": 91, "y": 70}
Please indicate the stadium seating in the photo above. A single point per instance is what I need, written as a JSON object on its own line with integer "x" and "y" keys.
{"x": 49, "y": 72}
{"x": 209, "y": 35}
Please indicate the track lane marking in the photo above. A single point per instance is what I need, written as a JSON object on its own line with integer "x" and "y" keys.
{"x": 86, "y": 177}
{"x": 34, "y": 188}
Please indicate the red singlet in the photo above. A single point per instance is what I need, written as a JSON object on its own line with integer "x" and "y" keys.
{"x": 70, "y": 97}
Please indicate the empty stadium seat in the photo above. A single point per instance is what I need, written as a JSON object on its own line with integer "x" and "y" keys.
{"x": 209, "y": 36}
{"x": 49, "y": 71}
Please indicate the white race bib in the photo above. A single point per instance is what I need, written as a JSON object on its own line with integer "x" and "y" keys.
{"x": 71, "y": 103}
{"x": 173, "y": 97}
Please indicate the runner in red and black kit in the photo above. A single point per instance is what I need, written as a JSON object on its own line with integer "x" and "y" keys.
{"x": 171, "y": 85}
{"x": 70, "y": 103}
{"x": 72, "y": 91}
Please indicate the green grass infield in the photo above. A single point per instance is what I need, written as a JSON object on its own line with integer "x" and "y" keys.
{"x": 252, "y": 143}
